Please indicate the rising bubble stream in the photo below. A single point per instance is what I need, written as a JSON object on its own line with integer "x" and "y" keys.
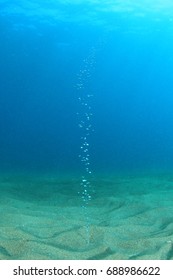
{"x": 85, "y": 116}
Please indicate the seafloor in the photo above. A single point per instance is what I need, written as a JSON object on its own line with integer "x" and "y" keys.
{"x": 129, "y": 217}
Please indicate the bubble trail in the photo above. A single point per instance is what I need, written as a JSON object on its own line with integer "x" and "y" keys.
{"x": 85, "y": 116}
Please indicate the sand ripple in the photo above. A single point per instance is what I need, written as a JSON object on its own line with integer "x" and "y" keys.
{"x": 120, "y": 223}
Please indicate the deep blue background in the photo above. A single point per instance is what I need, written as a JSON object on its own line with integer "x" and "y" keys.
{"x": 132, "y": 105}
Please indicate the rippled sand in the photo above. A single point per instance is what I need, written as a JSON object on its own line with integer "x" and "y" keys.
{"x": 128, "y": 218}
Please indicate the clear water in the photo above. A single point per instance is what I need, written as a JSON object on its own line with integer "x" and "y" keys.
{"x": 86, "y": 154}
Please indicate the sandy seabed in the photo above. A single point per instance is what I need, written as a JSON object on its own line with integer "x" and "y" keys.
{"x": 128, "y": 218}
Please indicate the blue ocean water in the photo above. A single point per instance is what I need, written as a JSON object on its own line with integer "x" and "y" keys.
{"x": 42, "y": 49}
{"x": 86, "y": 90}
